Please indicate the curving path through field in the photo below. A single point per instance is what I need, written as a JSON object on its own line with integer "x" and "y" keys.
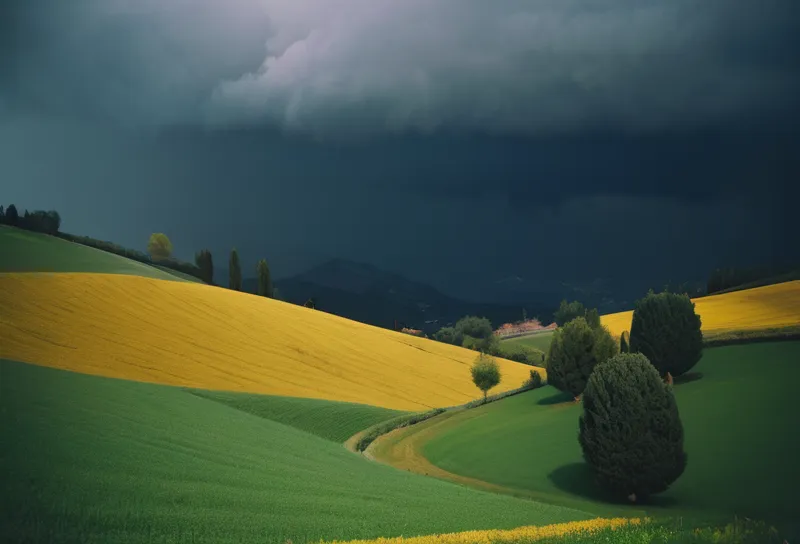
{"x": 526, "y": 445}
{"x": 403, "y": 449}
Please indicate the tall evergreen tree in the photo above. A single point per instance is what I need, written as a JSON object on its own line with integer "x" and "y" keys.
{"x": 205, "y": 263}
{"x": 625, "y": 342}
{"x": 264, "y": 280}
{"x": 12, "y": 216}
{"x": 666, "y": 329}
{"x": 574, "y": 352}
{"x": 234, "y": 271}
{"x": 630, "y": 431}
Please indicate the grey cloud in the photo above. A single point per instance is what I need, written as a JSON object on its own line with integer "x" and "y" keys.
{"x": 336, "y": 67}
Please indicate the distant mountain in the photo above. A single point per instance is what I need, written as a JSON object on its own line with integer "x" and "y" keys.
{"x": 365, "y": 293}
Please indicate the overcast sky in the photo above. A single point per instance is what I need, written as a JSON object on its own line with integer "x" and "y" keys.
{"x": 454, "y": 141}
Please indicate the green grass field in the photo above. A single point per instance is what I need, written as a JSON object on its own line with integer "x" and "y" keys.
{"x": 89, "y": 459}
{"x": 335, "y": 421}
{"x": 740, "y": 436}
{"x": 25, "y": 251}
{"x": 539, "y": 341}
{"x": 178, "y": 274}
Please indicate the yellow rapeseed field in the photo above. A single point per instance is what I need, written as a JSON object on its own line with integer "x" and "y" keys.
{"x": 498, "y": 536}
{"x": 200, "y": 336}
{"x": 766, "y": 307}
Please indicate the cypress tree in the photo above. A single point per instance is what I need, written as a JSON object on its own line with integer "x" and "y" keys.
{"x": 666, "y": 329}
{"x": 625, "y": 342}
{"x": 574, "y": 352}
{"x": 264, "y": 280}
{"x": 234, "y": 271}
{"x": 630, "y": 430}
{"x": 205, "y": 263}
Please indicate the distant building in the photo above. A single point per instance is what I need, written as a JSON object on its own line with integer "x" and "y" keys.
{"x": 529, "y": 326}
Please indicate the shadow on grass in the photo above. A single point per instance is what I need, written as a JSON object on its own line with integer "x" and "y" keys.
{"x": 688, "y": 378}
{"x": 577, "y": 479}
{"x": 557, "y": 398}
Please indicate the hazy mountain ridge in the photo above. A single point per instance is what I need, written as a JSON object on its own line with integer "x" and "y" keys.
{"x": 368, "y": 294}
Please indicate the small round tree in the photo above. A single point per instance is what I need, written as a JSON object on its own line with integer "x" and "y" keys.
{"x": 630, "y": 431}
{"x": 574, "y": 352}
{"x": 666, "y": 329}
{"x": 159, "y": 247}
{"x": 485, "y": 373}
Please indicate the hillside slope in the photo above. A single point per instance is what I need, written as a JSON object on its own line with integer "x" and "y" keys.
{"x": 771, "y": 306}
{"x": 89, "y": 459}
{"x": 205, "y": 337}
{"x": 26, "y": 251}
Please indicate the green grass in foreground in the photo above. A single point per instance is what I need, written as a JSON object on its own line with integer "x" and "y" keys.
{"x": 25, "y": 251}
{"x": 540, "y": 341}
{"x": 90, "y": 459}
{"x": 741, "y": 438}
{"x": 335, "y": 421}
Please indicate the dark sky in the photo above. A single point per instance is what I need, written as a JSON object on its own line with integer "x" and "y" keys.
{"x": 457, "y": 142}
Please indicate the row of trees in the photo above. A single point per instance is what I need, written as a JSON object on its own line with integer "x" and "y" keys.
{"x": 48, "y": 222}
{"x": 160, "y": 248}
{"x": 730, "y": 277}
{"x": 630, "y": 431}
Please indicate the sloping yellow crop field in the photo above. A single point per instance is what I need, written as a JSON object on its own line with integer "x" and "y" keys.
{"x": 206, "y": 337}
{"x": 752, "y": 309}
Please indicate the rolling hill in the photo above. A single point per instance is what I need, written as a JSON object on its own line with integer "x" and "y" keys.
{"x": 26, "y": 251}
{"x": 100, "y": 460}
{"x": 771, "y": 306}
{"x": 91, "y": 457}
{"x": 199, "y": 336}
{"x": 739, "y": 436}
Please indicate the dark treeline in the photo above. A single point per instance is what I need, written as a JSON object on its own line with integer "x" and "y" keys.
{"x": 722, "y": 279}
{"x": 49, "y": 222}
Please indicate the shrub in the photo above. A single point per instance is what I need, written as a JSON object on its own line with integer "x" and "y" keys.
{"x": 449, "y": 335}
{"x": 574, "y": 352}
{"x": 485, "y": 373}
{"x": 535, "y": 380}
{"x": 666, "y": 329}
{"x": 625, "y": 342}
{"x": 630, "y": 430}
{"x": 490, "y": 345}
{"x": 385, "y": 427}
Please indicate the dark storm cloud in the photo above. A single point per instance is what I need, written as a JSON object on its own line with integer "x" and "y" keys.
{"x": 344, "y": 67}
